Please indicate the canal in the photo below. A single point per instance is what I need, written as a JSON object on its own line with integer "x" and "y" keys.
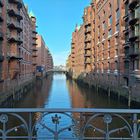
{"x": 56, "y": 91}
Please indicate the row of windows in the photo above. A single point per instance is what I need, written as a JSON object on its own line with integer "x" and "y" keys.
{"x": 110, "y": 33}
{"x": 102, "y": 66}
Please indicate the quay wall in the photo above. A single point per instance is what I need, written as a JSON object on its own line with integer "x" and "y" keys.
{"x": 12, "y": 91}
{"x": 111, "y": 87}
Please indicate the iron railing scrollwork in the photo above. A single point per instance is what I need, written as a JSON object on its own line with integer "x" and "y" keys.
{"x": 61, "y": 124}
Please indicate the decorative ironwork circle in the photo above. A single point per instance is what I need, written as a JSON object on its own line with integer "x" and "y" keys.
{"x": 107, "y": 118}
{"x": 3, "y": 118}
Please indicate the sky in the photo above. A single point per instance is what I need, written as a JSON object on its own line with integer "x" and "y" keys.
{"x": 56, "y": 20}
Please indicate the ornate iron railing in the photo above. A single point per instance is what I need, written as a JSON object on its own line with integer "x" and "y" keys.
{"x": 61, "y": 124}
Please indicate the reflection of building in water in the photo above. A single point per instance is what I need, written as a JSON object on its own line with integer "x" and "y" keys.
{"x": 79, "y": 99}
{"x": 42, "y": 90}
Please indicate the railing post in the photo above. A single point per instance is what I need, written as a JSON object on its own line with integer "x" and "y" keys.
{"x": 30, "y": 126}
{"x": 135, "y": 128}
{"x": 81, "y": 126}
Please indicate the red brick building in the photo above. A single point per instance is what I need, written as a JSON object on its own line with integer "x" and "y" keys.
{"x": 44, "y": 57}
{"x": 18, "y": 52}
{"x": 111, "y": 46}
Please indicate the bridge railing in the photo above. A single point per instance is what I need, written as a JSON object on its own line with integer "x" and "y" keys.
{"x": 61, "y": 124}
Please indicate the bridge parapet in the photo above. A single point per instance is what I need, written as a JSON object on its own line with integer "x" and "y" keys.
{"x": 105, "y": 124}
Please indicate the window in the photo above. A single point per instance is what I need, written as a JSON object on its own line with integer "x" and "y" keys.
{"x": 136, "y": 65}
{"x": 103, "y": 36}
{"x": 137, "y": 30}
{"x": 110, "y": 7}
{"x": 108, "y": 43}
{"x": 104, "y": 26}
{"x": 116, "y": 52}
{"x": 116, "y": 65}
{"x": 109, "y": 32}
{"x": 104, "y": 13}
{"x": 110, "y": 20}
{"x": 108, "y": 54}
{"x": 126, "y": 65}
{"x": 102, "y": 46}
{"x": 118, "y": 3}
{"x": 102, "y": 67}
{"x": 117, "y": 14}
{"x": 109, "y": 66}
{"x": 116, "y": 40}
{"x": 117, "y": 27}
{"x": 98, "y": 38}
{"x": 103, "y": 56}
{"x": 0, "y": 10}
{"x": 98, "y": 30}
{"x": 126, "y": 9}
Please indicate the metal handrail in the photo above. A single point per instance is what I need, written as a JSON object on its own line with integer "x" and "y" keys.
{"x": 80, "y": 121}
{"x": 78, "y": 110}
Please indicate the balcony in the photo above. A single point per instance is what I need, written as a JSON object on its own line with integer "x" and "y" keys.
{"x": 125, "y": 1}
{"x": 87, "y": 61}
{"x": 1, "y": 58}
{"x": 133, "y": 3}
{"x": 34, "y": 49}
{"x": 34, "y": 37}
{"x": 15, "y": 40}
{"x": 136, "y": 74}
{"x": 18, "y": 2}
{"x": 88, "y": 30}
{"x": 12, "y": 1}
{"x": 87, "y": 47}
{"x": 12, "y": 13}
{"x": 126, "y": 17}
{"x": 134, "y": 17}
{"x": 1, "y": 3}
{"x": 34, "y": 32}
{"x": 14, "y": 26}
{"x": 34, "y": 55}
{"x": 87, "y": 39}
{"x": 1, "y": 36}
{"x": 87, "y": 54}
{"x": 1, "y": 17}
{"x": 133, "y": 35}
{"x": 14, "y": 56}
{"x": 126, "y": 31}
{"x": 34, "y": 44}
{"x": 126, "y": 73}
{"x": 127, "y": 45}
{"x": 72, "y": 47}
{"x": 133, "y": 52}
{"x": 87, "y": 23}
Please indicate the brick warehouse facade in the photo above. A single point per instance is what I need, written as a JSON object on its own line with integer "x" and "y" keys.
{"x": 111, "y": 56}
{"x": 18, "y": 52}
{"x": 44, "y": 60}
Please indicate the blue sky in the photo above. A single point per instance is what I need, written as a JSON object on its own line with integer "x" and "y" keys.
{"x": 56, "y": 20}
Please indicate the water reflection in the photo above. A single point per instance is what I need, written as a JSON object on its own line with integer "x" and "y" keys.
{"x": 38, "y": 96}
{"x": 85, "y": 97}
{"x": 59, "y": 97}
{"x": 56, "y": 91}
